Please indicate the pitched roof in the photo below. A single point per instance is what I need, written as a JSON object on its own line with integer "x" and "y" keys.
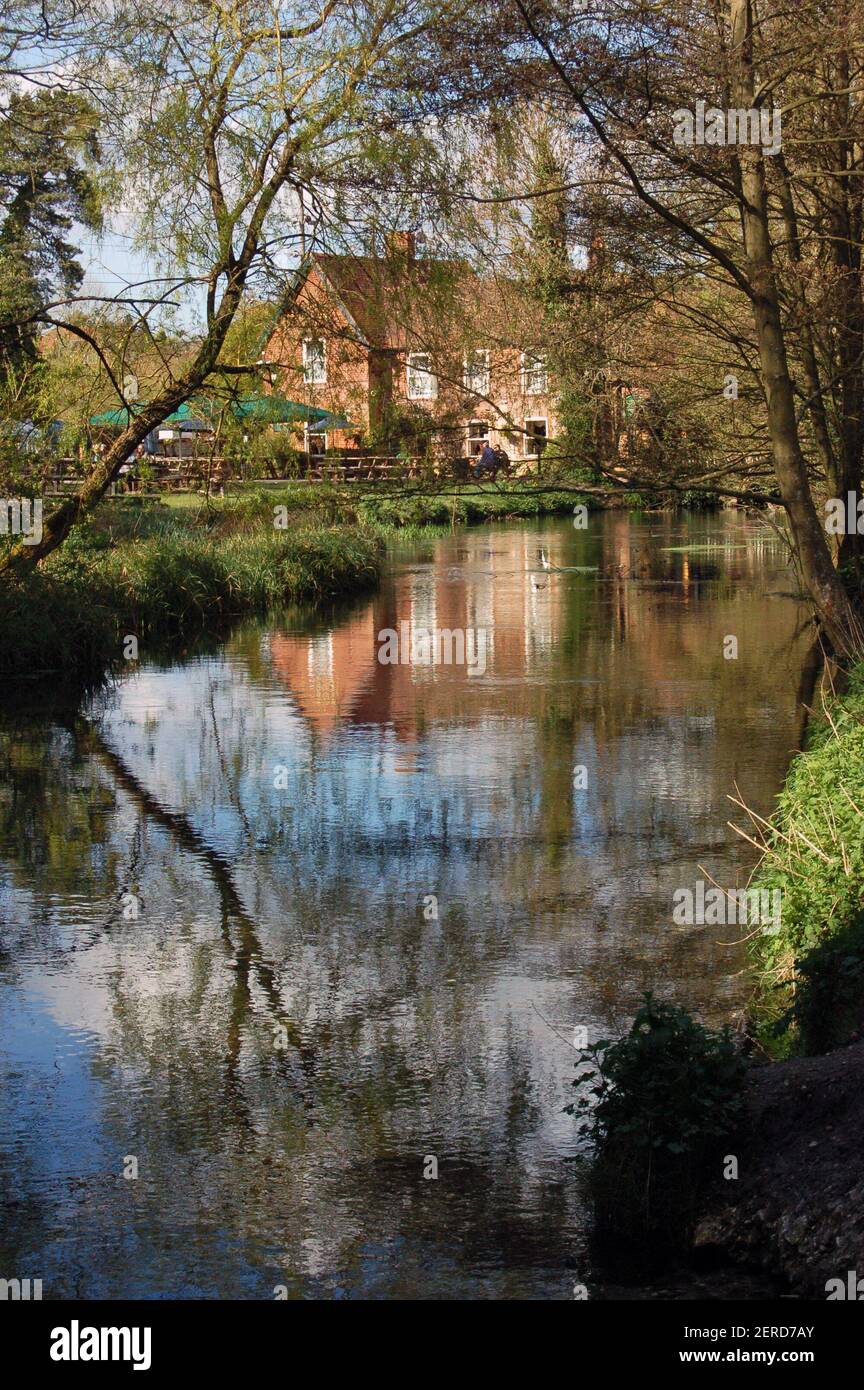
{"x": 384, "y": 296}
{"x": 394, "y": 301}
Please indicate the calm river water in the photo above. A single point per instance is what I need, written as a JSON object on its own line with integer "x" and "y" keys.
{"x": 373, "y": 904}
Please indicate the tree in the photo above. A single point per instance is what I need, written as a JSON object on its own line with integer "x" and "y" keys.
{"x": 550, "y": 278}
{"x": 217, "y": 116}
{"x": 46, "y": 138}
{"x": 776, "y": 222}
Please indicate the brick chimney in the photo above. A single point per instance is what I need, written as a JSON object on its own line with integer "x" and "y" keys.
{"x": 401, "y": 245}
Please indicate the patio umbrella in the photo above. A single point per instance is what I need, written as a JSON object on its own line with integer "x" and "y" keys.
{"x": 185, "y": 415}
{"x": 116, "y": 419}
{"x": 190, "y": 416}
{"x": 325, "y": 420}
{"x": 274, "y": 410}
{"x": 262, "y": 410}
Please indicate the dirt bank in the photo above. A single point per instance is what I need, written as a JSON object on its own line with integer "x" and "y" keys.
{"x": 797, "y": 1206}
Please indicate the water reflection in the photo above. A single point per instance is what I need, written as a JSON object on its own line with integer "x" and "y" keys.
{"x": 284, "y": 1033}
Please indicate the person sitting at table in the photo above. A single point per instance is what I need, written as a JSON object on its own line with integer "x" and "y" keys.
{"x": 487, "y": 461}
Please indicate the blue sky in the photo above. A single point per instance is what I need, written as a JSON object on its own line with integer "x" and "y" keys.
{"x": 112, "y": 262}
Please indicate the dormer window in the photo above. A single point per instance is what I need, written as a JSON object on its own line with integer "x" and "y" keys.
{"x": 314, "y": 362}
{"x": 477, "y": 375}
{"x": 422, "y": 382}
{"x": 534, "y": 376}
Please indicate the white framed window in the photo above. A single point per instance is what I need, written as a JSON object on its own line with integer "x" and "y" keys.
{"x": 478, "y": 436}
{"x": 422, "y": 382}
{"x": 536, "y": 435}
{"x": 314, "y": 361}
{"x": 534, "y": 375}
{"x": 477, "y": 376}
{"x": 319, "y": 658}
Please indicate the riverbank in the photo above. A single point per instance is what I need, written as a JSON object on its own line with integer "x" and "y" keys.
{"x": 810, "y": 973}
{"x": 154, "y": 578}
{"x": 163, "y": 569}
{"x": 397, "y": 507}
{"x": 797, "y": 1207}
{"x": 781, "y": 1189}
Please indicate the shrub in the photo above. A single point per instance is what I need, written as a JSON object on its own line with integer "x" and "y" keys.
{"x": 664, "y": 1095}
{"x": 828, "y": 1007}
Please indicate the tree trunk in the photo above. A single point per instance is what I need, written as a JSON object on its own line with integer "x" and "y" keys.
{"x": 817, "y": 570}
{"x": 809, "y": 360}
{"x": 845, "y": 247}
{"x": 57, "y": 526}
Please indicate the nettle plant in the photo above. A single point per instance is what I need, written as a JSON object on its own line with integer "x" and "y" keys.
{"x": 655, "y": 1104}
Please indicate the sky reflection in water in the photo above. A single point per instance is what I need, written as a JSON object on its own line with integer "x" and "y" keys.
{"x": 299, "y": 908}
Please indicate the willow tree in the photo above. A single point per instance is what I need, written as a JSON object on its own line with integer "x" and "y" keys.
{"x": 217, "y": 115}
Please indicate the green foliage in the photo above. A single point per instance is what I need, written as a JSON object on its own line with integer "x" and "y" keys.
{"x": 467, "y": 505}
{"x": 268, "y": 452}
{"x": 549, "y": 271}
{"x": 815, "y": 853}
{"x": 697, "y": 501}
{"x": 576, "y": 437}
{"x": 324, "y": 504}
{"x": 669, "y": 1084}
{"x": 174, "y": 578}
{"x": 47, "y": 138}
{"x": 660, "y": 1099}
{"x": 828, "y": 1007}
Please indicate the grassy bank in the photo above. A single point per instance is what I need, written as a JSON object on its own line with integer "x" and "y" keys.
{"x": 161, "y": 579}
{"x": 175, "y": 567}
{"x": 407, "y": 505}
{"x": 810, "y": 975}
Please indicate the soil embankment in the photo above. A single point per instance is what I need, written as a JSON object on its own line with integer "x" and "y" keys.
{"x": 797, "y": 1206}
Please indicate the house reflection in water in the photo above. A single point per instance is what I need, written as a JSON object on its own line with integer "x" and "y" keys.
{"x": 493, "y": 587}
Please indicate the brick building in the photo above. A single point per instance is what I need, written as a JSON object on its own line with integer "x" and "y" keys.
{"x": 416, "y": 354}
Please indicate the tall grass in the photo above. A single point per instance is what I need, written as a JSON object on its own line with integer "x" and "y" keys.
{"x": 69, "y": 620}
{"x": 470, "y": 506}
{"x": 813, "y": 851}
{"x": 467, "y": 504}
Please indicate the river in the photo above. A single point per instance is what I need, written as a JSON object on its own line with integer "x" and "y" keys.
{"x": 285, "y": 931}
